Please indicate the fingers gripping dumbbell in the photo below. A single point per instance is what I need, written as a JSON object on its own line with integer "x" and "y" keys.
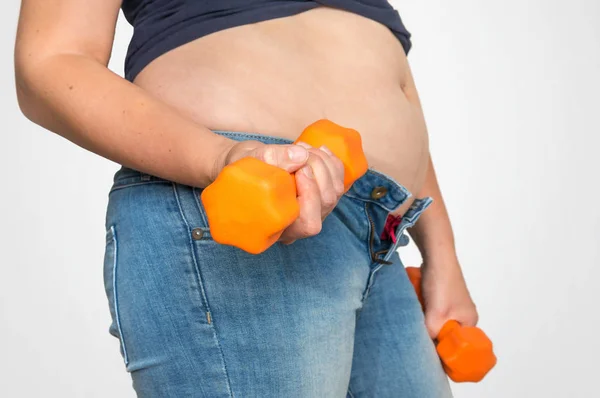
{"x": 250, "y": 202}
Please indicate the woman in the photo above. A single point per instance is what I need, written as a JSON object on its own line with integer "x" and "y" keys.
{"x": 326, "y": 312}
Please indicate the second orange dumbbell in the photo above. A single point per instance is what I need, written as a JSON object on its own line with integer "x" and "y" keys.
{"x": 466, "y": 352}
{"x": 250, "y": 202}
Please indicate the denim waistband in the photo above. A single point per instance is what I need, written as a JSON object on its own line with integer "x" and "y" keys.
{"x": 374, "y": 186}
{"x": 363, "y": 188}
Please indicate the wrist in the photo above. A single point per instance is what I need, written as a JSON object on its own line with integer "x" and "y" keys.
{"x": 220, "y": 157}
{"x": 203, "y": 158}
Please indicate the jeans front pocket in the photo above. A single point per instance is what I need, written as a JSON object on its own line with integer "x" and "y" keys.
{"x": 110, "y": 286}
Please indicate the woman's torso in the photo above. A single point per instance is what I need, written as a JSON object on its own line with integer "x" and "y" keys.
{"x": 278, "y": 76}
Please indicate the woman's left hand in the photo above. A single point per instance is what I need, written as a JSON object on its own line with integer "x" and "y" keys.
{"x": 445, "y": 295}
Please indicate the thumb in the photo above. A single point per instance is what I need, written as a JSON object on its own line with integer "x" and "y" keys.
{"x": 288, "y": 157}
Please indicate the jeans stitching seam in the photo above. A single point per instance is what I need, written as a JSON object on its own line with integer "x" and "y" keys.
{"x": 201, "y": 284}
{"x": 133, "y": 184}
{"x": 367, "y": 244}
{"x": 372, "y": 272}
{"x": 202, "y": 215}
{"x": 371, "y": 233}
{"x": 371, "y": 281}
{"x": 350, "y": 392}
{"x": 115, "y": 299}
{"x": 380, "y": 262}
{"x": 196, "y": 269}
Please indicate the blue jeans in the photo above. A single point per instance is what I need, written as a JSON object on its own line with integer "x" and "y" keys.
{"x": 333, "y": 315}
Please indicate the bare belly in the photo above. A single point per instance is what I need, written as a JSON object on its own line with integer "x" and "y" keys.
{"x": 278, "y": 76}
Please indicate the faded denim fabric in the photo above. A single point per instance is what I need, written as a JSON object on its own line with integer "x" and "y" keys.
{"x": 323, "y": 317}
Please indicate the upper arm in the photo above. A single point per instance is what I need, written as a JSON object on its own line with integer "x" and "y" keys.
{"x": 50, "y": 27}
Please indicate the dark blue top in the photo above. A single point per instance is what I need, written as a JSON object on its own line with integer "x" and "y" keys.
{"x": 162, "y": 25}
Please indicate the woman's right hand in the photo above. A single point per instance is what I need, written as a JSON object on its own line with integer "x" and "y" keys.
{"x": 319, "y": 180}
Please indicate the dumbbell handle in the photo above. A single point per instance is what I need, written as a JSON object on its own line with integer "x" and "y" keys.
{"x": 480, "y": 362}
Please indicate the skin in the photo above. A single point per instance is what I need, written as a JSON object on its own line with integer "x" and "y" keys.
{"x": 275, "y": 77}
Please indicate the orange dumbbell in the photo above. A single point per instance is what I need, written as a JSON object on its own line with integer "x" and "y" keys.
{"x": 466, "y": 352}
{"x": 250, "y": 202}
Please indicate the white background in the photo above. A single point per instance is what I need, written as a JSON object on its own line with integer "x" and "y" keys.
{"x": 511, "y": 92}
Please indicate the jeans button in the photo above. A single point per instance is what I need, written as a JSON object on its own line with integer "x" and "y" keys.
{"x": 378, "y": 192}
{"x": 197, "y": 233}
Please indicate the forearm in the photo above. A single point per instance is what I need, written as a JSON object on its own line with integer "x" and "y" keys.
{"x": 80, "y": 99}
{"x": 433, "y": 232}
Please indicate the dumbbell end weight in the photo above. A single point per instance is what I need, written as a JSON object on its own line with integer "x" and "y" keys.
{"x": 249, "y": 204}
{"x": 466, "y": 352}
{"x": 345, "y": 143}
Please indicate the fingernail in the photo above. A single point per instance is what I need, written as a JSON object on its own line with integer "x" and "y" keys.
{"x": 303, "y": 144}
{"x": 307, "y": 170}
{"x": 297, "y": 154}
{"x": 326, "y": 150}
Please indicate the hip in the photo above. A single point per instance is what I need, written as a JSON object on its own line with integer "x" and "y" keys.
{"x": 279, "y": 323}
{"x": 182, "y": 304}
